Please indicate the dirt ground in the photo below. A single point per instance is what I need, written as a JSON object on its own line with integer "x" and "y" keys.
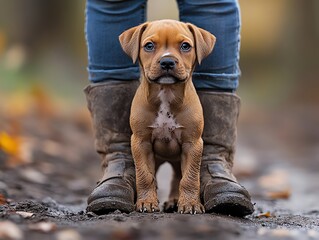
{"x": 43, "y": 189}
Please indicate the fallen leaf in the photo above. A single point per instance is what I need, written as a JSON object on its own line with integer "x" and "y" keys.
{"x": 283, "y": 194}
{"x": 68, "y": 234}
{"x": 9, "y": 230}
{"x": 275, "y": 185}
{"x": 9, "y": 144}
{"x": 44, "y": 227}
{"x": 25, "y": 214}
{"x": 265, "y": 215}
{"x": 3, "y": 200}
{"x": 274, "y": 179}
{"x": 16, "y": 148}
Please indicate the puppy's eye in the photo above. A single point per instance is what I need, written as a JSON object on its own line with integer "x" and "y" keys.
{"x": 185, "y": 47}
{"x": 149, "y": 47}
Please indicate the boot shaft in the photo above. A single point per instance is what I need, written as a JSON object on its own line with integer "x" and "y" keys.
{"x": 221, "y": 112}
{"x": 109, "y": 104}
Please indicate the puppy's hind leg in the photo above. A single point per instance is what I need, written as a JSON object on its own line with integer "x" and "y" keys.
{"x": 170, "y": 206}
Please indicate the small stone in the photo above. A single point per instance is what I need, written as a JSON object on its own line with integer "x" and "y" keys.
{"x": 15, "y": 218}
{"x": 117, "y": 212}
{"x": 33, "y": 175}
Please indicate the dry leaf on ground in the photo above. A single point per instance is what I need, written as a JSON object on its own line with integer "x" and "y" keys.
{"x": 68, "y": 234}
{"x": 265, "y": 215}
{"x": 283, "y": 194}
{"x": 276, "y": 184}
{"x": 25, "y": 214}
{"x": 44, "y": 227}
{"x": 17, "y": 149}
{"x": 3, "y": 200}
{"x": 9, "y": 230}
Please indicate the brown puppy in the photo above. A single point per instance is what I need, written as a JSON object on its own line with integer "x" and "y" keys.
{"x": 166, "y": 114}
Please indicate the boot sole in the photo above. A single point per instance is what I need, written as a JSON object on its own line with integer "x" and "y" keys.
{"x": 103, "y": 206}
{"x": 234, "y": 204}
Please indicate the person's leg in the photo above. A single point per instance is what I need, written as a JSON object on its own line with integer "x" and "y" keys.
{"x": 216, "y": 80}
{"x": 220, "y": 69}
{"x": 105, "y": 21}
{"x": 113, "y": 79}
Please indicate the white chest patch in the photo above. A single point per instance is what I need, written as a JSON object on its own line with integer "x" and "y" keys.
{"x": 165, "y": 123}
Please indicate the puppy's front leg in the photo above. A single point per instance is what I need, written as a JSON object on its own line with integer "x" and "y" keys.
{"x": 189, "y": 188}
{"x": 143, "y": 155}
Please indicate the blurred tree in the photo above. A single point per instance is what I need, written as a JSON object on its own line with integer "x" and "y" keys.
{"x": 302, "y": 50}
{"x": 35, "y": 24}
{"x": 279, "y": 57}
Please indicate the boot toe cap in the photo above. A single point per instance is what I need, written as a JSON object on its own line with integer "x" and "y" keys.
{"x": 110, "y": 196}
{"x": 227, "y": 198}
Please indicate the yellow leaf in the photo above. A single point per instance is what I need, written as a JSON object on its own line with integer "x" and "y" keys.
{"x": 12, "y": 145}
{"x": 265, "y": 215}
{"x": 9, "y": 144}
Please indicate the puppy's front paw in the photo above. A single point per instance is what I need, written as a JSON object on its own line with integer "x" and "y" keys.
{"x": 145, "y": 205}
{"x": 192, "y": 207}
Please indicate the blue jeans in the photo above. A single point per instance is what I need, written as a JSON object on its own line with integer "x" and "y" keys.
{"x": 107, "y": 19}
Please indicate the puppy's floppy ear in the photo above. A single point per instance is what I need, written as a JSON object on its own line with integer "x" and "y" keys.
{"x": 204, "y": 42}
{"x": 130, "y": 41}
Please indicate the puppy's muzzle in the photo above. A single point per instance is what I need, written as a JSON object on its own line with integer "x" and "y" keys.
{"x": 168, "y": 67}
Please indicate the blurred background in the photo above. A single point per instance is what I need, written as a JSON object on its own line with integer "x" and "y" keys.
{"x": 43, "y": 71}
{"x": 42, "y": 45}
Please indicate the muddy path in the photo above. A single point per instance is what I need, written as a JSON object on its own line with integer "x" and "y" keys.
{"x": 43, "y": 191}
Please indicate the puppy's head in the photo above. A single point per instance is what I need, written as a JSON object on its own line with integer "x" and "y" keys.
{"x": 167, "y": 49}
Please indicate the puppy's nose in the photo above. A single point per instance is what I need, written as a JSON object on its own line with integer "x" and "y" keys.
{"x": 167, "y": 63}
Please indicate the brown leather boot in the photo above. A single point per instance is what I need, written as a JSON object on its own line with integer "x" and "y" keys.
{"x": 220, "y": 191}
{"x": 110, "y": 104}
